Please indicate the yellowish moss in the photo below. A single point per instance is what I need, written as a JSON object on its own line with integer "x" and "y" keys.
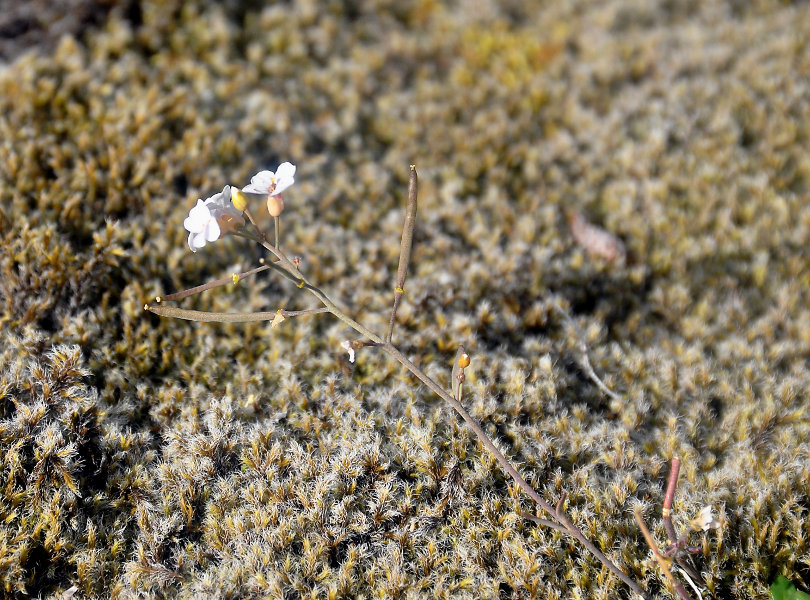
{"x": 146, "y": 457}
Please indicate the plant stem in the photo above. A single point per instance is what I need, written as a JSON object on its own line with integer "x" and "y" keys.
{"x": 482, "y": 436}
{"x": 291, "y": 271}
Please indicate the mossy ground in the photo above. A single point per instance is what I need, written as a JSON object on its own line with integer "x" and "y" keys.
{"x": 147, "y": 457}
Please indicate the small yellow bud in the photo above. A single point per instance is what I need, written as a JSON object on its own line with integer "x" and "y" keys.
{"x": 235, "y": 278}
{"x": 464, "y": 361}
{"x": 239, "y": 200}
{"x": 158, "y": 299}
{"x": 275, "y": 204}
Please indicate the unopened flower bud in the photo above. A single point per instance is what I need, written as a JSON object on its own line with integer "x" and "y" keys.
{"x": 275, "y": 204}
{"x": 464, "y": 361}
{"x": 238, "y": 199}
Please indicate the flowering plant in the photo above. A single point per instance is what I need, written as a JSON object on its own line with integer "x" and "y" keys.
{"x": 229, "y": 212}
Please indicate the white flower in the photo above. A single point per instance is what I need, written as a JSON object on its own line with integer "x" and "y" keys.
{"x": 211, "y": 219}
{"x": 272, "y": 184}
{"x": 704, "y": 520}
{"x": 347, "y": 346}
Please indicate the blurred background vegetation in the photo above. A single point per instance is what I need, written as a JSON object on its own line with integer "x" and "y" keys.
{"x": 146, "y": 457}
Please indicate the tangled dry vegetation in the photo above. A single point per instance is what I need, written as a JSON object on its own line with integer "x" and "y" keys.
{"x": 142, "y": 457}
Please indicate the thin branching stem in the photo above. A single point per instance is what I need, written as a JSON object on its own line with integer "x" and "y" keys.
{"x": 558, "y": 514}
{"x": 561, "y": 522}
{"x": 212, "y": 284}
{"x": 544, "y": 522}
{"x": 565, "y": 524}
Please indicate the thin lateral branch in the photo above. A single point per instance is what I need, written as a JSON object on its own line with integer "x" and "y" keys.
{"x": 255, "y": 225}
{"x": 662, "y": 561}
{"x": 405, "y": 248}
{"x": 544, "y": 522}
{"x": 211, "y": 284}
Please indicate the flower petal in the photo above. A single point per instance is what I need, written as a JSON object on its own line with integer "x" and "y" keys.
{"x": 260, "y": 183}
{"x": 284, "y": 177}
{"x": 285, "y": 169}
{"x": 197, "y": 217}
{"x": 281, "y": 185}
{"x": 212, "y": 231}
{"x": 196, "y": 241}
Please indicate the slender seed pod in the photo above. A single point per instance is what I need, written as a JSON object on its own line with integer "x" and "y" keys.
{"x": 407, "y": 229}
{"x": 405, "y": 247}
{"x": 209, "y": 317}
{"x": 215, "y": 317}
